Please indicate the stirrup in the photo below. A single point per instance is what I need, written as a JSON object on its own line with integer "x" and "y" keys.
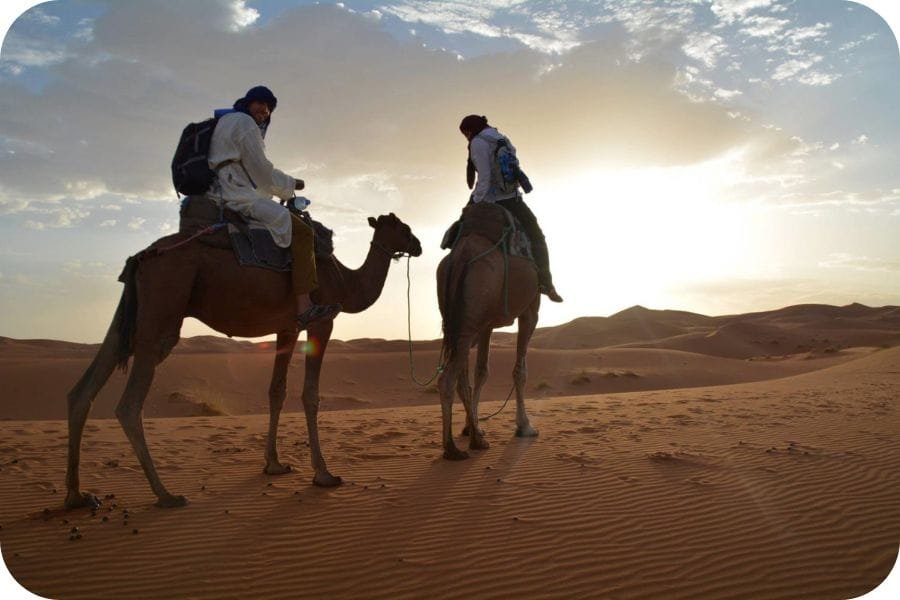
{"x": 317, "y": 312}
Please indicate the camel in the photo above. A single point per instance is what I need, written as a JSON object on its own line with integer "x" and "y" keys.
{"x": 195, "y": 280}
{"x": 474, "y": 300}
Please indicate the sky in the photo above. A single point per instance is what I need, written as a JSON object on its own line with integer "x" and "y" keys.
{"x": 713, "y": 156}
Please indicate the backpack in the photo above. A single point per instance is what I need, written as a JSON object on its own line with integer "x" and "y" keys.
{"x": 506, "y": 164}
{"x": 190, "y": 165}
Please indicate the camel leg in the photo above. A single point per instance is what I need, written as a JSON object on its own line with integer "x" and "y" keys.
{"x": 527, "y": 323}
{"x": 80, "y": 400}
{"x": 320, "y": 331}
{"x": 464, "y": 391}
{"x": 450, "y": 379}
{"x": 277, "y": 393}
{"x": 481, "y": 374}
{"x": 129, "y": 413}
{"x": 477, "y": 440}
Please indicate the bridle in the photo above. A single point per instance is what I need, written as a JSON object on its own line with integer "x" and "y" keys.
{"x": 391, "y": 255}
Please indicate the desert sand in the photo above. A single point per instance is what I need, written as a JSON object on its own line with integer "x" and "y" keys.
{"x": 680, "y": 456}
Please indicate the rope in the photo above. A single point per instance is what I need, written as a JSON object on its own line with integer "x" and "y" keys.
{"x": 205, "y": 231}
{"x": 412, "y": 372}
{"x": 499, "y": 410}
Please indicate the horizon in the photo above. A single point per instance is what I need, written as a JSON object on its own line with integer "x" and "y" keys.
{"x": 716, "y": 158}
{"x": 265, "y": 341}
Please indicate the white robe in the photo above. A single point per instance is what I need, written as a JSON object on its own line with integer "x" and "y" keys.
{"x": 238, "y": 151}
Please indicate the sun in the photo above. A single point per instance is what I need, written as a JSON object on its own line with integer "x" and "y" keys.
{"x": 637, "y": 233}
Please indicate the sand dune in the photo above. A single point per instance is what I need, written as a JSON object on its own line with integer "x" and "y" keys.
{"x": 779, "y": 489}
{"x": 680, "y": 456}
{"x": 590, "y": 355}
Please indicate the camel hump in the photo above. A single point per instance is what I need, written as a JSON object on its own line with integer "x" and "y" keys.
{"x": 486, "y": 219}
{"x": 493, "y": 223}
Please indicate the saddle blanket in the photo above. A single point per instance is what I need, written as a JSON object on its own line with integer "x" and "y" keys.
{"x": 252, "y": 243}
{"x": 490, "y": 221}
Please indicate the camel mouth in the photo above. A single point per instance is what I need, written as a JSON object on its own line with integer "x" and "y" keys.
{"x": 416, "y": 250}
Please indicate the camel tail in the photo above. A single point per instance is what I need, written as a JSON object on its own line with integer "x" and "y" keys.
{"x": 453, "y": 307}
{"x": 126, "y": 315}
{"x": 117, "y": 346}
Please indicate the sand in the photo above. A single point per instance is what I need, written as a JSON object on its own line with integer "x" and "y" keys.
{"x": 711, "y": 477}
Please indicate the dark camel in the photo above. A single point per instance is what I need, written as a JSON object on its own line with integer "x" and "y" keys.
{"x": 473, "y": 303}
{"x": 207, "y": 283}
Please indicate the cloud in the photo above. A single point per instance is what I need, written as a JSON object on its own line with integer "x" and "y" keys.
{"x": 136, "y": 223}
{"x": 760, "y": 26}
{"x": 791, "y": 68}
{"x": 54, "y": 217}
{"x": 841, "y": 260}
{"x": 109, "y": 122}
{"x": 705, "y": 47}
{"x": 729, "y": 11}
{"x": 23, "y": 51}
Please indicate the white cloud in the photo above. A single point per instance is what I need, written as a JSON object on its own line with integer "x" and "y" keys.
{"x": 39, "y": 16}
{"x": 705, "y": 47}
{"x": 817, "y": 78}
{"x": 759, "y": 26}
{"x": 136, "y": 223}
{"x": 21, "y": 51}
{"x": 791, "y": 68}
{"x": 58, "y": 217}
{"x": 108, "y": 223}
{"x": 727, "y": 94}
{"x": 730, "y": 11}
{"x": 861, "y": 140}
{"x": 842, "y": 260}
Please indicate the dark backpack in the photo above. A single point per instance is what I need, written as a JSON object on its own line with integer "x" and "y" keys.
{"x": 190, "y": 165}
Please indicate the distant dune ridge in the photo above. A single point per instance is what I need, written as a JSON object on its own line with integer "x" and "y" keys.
{"x": 680, "y": 456}
{"x": 659, "y": 348}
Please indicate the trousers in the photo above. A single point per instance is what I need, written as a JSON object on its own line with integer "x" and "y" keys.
{"x": 520, "y": 211}
{"x": 303, "y": 257}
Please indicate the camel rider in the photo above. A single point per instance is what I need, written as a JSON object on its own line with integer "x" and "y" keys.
{"x": 482, "y": 146}
{"x": 246, "y": 182}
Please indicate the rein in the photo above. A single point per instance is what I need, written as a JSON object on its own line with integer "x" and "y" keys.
{"x": 412, "y": 372}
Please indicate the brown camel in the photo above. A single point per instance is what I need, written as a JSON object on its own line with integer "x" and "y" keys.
{"x": 474, "y": 300}
{"x": 207, "y": 283}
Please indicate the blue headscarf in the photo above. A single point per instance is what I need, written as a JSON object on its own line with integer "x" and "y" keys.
{"x": 259, "y": 93}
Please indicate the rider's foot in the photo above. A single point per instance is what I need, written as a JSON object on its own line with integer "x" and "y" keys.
{"x": 550, "y": 292}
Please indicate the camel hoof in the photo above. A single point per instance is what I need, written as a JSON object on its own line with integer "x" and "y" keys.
{"x": 171, "y": 501}
{"x": 327, "y": 480}
{"x": 468, "y": 431}
{"x": 80, "y": 500}
{"x": 526, "y": 432}
{"x": 277, "y": 469}
{"x": 479, "y": 444}
{"x": 455, "y": 453}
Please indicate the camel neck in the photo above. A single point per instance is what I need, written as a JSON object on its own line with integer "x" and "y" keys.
{"x": 363, "y": 285}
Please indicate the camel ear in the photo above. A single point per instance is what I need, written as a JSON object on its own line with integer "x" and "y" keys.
{"x": 372, "y": 222}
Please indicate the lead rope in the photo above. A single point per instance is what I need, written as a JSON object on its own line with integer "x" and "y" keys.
{"x": 205, "y": 231}
{"x": 412, "y": 372}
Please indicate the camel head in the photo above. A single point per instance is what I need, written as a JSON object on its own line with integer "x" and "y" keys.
{"x": 394, "y": 236}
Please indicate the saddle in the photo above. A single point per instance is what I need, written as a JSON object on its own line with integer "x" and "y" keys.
{"x": 252, "y": 243}
{"x": 493, "y": 222}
